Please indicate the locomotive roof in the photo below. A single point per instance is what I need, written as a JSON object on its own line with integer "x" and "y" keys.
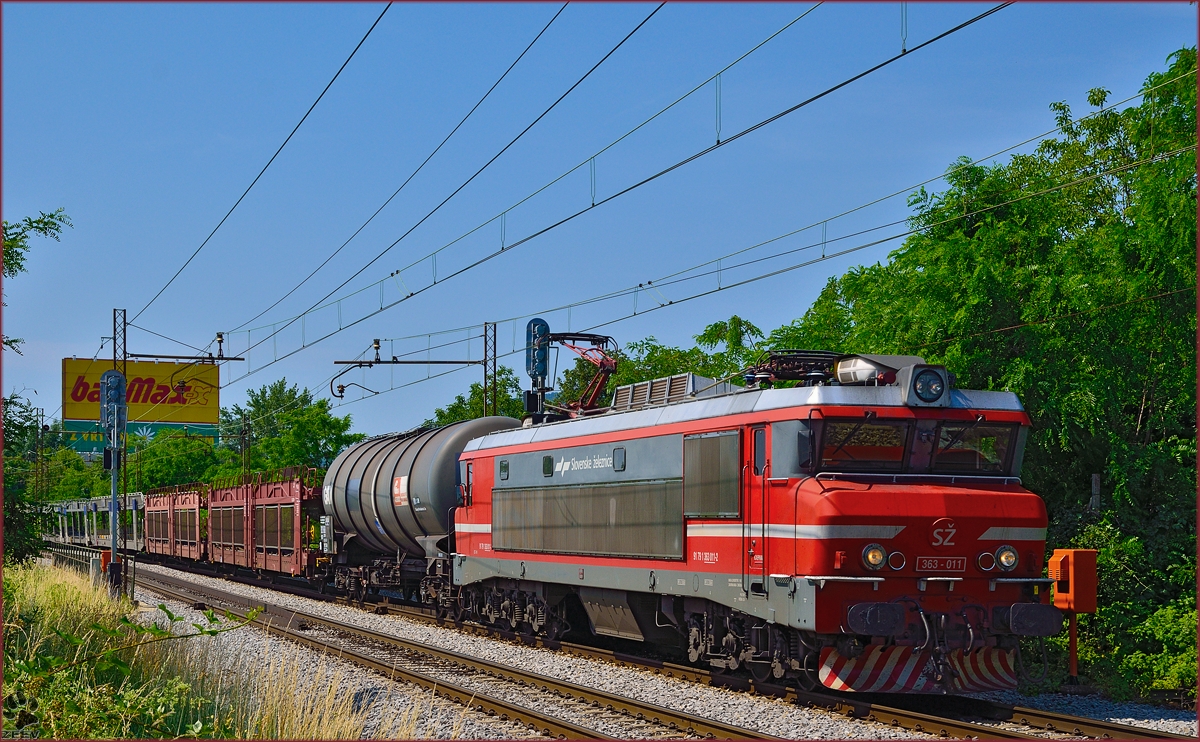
{"x": 755, "y": 400}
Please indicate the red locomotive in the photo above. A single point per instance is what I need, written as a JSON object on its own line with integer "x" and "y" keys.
{"x": 866, "y": 530}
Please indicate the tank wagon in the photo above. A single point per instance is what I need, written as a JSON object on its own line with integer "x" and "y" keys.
{"x": 864, "y": 530}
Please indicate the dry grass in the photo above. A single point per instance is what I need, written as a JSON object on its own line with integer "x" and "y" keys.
{"x": 274, "y": 691}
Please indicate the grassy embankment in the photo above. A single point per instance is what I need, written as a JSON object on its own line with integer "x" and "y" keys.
{"x": 80, "y": 665}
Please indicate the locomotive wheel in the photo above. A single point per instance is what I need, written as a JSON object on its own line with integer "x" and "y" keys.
{"x": 762, "y": 672}
{"x": 695, "y": 644}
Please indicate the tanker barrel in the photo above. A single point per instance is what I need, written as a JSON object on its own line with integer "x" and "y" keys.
{"x": 395, "y": 491}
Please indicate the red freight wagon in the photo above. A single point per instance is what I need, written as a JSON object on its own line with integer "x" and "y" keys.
{"x": 259, "y": 521}
{"x": 175, "y": 520}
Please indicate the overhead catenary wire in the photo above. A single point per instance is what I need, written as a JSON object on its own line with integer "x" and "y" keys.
{"x": 718, "y": 261}
{"x": 590, "y": 162}
{"x": 411, "y": 175}
{"x": 476, "y": 174}
{"x": 264, "y": 169}
{"x": 829, "y": 256}
{"x": 486, "y": 258}
{"x": 824, "y": 221}
{"x": 164, "y": 337}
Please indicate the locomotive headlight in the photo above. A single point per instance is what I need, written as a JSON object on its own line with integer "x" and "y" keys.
{"x": 928, "y": 386}
{"x": 874, "y": 556}
{"x": 1006, "y": 557}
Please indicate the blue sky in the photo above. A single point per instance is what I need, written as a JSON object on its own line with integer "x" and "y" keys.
{"x": 147, "y": 121}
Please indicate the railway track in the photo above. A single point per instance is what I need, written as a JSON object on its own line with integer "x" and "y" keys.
{"x": 431, "y": 666}
{"x": 962, "y": 717}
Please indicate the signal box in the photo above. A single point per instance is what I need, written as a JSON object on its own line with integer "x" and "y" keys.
{"x": 1074, "y": 575}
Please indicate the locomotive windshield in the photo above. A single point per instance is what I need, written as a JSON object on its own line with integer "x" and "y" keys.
{"x": 983, "y": 449}
{"x": 864, "y": 445}
{"x": 869, "y": 445}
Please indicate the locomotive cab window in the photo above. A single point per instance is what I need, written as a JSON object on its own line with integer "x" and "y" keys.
{"x": 970, "y": 446}
{"x": 865, "y": 444}
{"x": 760, "y": 451}
{"x": 711, "y": 475}
{"x": 469, "y": 485}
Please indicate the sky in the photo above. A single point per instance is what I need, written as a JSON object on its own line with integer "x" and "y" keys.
{"x": 146, "y": 122}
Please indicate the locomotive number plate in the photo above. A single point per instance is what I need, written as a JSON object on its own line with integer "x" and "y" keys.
{"x": 941, "y": 564}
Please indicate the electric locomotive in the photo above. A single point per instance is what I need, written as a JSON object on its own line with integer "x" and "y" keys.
{"x": 865, "y": 529}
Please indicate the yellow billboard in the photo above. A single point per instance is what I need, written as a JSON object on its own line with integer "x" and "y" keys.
{"x": 155, "y": 392}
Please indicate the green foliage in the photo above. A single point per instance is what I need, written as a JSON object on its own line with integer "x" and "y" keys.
{"x": 309, "y": 436}
{"x": 469, "y": 407}
{"x": 24, "y": 521}
{"x": 72, "y": 669}
{"x": 72, "y": 478}
{"x": 175, "y": 458}
{"x": 264, "y": 411}
{"x": 16, "y": 246}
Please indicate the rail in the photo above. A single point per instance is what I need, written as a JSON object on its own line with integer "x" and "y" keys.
{"x": 641, "y": 710}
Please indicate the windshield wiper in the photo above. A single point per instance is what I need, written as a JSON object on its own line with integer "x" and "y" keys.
{"x": 958, "y": 436}
{"x": 869, "y": 415}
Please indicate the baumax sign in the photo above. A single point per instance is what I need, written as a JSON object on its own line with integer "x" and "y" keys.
{"x": 155, "y": 392}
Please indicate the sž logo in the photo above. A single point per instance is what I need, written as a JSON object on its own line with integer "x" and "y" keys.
{"x": 941, "y": 533}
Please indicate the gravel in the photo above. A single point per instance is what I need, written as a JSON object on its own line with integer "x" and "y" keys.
{"x": 1095, "y": 707}
{"x": 770, "y": 715}
{"x": 436, "y": 718}
{"x": 773, "y": 716}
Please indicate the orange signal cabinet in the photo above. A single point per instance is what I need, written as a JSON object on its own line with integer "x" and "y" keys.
{"x": 1074, "y": 575}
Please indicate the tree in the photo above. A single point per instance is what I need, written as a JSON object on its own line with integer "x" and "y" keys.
{"x": 176, "y": 458}
{"x": 24, "y": 521}
{"x": 309, "y": 436}
{"x": 263, "y": 412}
{"x": 16, "y": 245}
{"x": 511, "y": 403}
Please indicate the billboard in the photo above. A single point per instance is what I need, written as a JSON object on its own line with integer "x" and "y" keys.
{"x": 173, "y": 393}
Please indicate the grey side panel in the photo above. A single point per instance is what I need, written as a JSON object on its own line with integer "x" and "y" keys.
{"x": 660, "y": 457}
{"x": 788, "y": 601}
{"x": 627, "y": 519}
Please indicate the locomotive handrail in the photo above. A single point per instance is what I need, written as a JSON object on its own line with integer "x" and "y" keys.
{"x": 1018, "y": 581}
{"x": 819, "y": 580}
{"x": 923, "y": 582}
{"x": 899, "y": 478}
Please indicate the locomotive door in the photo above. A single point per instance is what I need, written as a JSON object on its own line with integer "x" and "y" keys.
{"x": 755, "y": 471}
